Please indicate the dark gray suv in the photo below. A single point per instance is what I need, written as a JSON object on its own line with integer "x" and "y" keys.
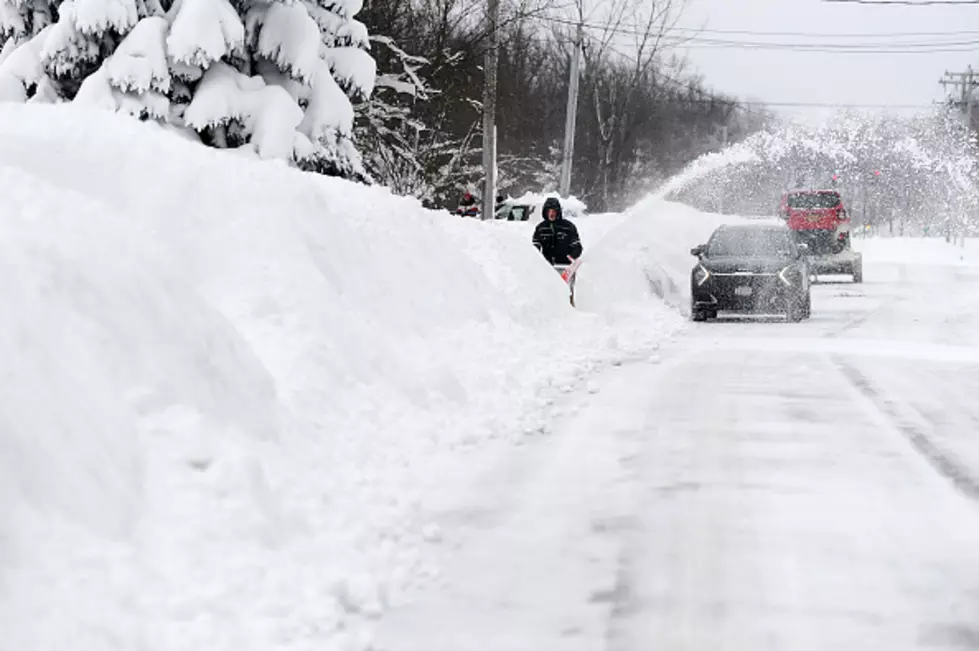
{"x": 750, "y": 269}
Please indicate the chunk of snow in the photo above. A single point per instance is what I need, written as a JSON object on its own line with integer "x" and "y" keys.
{"x": 65, "y": 46}
{"x": 139, "y": 64}
{"x": 330, "y": 24}
{"x": 97, "y": 92}
{"x": 328, "y": 108}
{"x": 359, "y": 594}
{"x": 134, "y": 79}
{"x": 22, "y": 67}
{"x": 204, "y": 31}
{"x": 290, "y": 38}
{"x": 150, "y": 104}
{"x": 354, "y": 67}
{"x": 269, "y": 114}
{"x": 272, "y": 118}
{"x": 11, "y": 22}
{"x": 273, "y": 76}
{"x": 12, "y": 89}
{"x": 354, "y": 33}
{"x": 432, "y": 533}
{"x": 46, "y": 93}
{"x": 222, "y": 96}
{"x": 93, "y": 17}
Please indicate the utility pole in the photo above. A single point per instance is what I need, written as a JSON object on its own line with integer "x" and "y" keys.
{"x": 965, "y": 82}
{"x": 489, "y": 110}
{"x": 572, "y": 115}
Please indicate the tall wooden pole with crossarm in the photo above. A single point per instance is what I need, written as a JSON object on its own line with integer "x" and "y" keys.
{"x": 489, "y": 109}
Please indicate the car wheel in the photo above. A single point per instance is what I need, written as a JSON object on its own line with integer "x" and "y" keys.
{"x": 858, "y": 272}
{"x": 807, "y": 306}
{"x": 794, "y": 309}
{"x": 697, "y": 314}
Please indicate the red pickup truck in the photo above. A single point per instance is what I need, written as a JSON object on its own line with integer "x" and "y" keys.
{"x": 814, "y": 210}
{"x": 819, "y": 221}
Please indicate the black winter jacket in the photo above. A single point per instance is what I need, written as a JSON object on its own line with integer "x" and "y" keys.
{"x": 557, "y": 239}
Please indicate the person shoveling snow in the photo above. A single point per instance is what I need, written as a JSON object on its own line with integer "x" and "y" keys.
{"x": 558, "y": 241}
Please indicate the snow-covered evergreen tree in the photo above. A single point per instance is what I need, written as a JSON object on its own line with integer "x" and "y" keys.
{"x": 274, "y": 79}
{"x": 394, "y": 137}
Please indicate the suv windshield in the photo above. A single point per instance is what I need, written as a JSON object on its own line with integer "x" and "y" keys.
{"x": 817, "y": 200}
{"x": 751, "y": 242}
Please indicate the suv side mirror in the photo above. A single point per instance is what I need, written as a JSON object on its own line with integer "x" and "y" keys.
{"x": 699, "y": 251}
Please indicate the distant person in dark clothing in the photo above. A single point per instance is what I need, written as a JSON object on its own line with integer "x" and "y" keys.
{"x": 556, "y": 237}
{"x": 468, "y": 206}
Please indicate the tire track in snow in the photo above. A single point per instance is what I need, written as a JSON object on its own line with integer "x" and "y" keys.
{"x": 945, "y": 464}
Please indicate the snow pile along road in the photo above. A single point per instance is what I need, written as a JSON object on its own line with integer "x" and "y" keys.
{"x": 230, "y": 386}
{"x": 646, "y": 258}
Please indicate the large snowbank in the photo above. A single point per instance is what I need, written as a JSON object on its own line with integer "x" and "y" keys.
{"x": 646, "y": 258}
{"x": 230, "y": 385}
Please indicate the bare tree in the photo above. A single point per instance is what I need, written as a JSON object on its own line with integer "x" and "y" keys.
{"x": 620, "y": 58}
{"x": 640, "y": 117}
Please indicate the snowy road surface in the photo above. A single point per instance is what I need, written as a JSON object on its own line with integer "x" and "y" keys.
{"x": 756, "y": 486}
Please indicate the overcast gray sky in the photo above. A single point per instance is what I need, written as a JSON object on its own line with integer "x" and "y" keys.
{"x": 792, "y": 76}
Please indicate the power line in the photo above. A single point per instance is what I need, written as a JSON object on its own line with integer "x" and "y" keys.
{"x": 755, "y": 107}
{"x": 696, "y": 42}
{"x": 840, "y": 106}
{"x": 706, "y": 97}
{"x": 819, "y": 50}
{"x": 713, "y": 97}
{"x": 909, "y": 3}
{"x": 873, "y": 47}
{"x": 748, "y": 32}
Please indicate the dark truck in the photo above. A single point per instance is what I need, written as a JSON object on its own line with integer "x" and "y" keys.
{"x": 819, "y": 220}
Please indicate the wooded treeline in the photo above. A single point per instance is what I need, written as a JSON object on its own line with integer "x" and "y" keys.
{"x": 641, "y": 117}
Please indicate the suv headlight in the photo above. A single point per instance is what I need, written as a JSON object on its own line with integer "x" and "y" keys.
{"x": 701, "y": 275}
{"x": 789, "y": 275}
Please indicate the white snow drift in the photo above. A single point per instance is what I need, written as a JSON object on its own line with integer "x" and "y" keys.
{"x": 646, "y": 258}
{"x": 229, "y": 386}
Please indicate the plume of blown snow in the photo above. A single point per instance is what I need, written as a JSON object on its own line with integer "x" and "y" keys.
{"x": 706, "y": 164}
{"x": 923, "y": 168}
